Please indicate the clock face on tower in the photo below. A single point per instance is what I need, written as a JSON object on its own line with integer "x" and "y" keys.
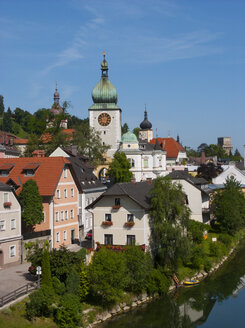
{"x": 104, "y": 119}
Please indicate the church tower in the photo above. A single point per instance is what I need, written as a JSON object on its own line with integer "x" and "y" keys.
{"x": 104, "y": 114}
{"x": 145, "y": 133}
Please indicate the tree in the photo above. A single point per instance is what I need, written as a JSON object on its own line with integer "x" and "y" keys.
{"x": 136, "y": 131}
{"x": 46, "y": 272}
{"x": 32, "y": 144}
{"x": 209, "y": 171}
{"x": 229, "y": 207}
{"x": 31, "y": 203}
{"x": 119, "y": 168}
{"x": 125, "y": 128}
{"x": 67, "y": 314}
{"x": 202, "y": 147}
{"x": 7, "y": 121}
{"x": 83, "y": 282}
{"x": 59, "y": 139}
{"x": 169, "y": 217}
{"x": 215, "y": 150}
{"x": 1, "y": 105}
{"x": 89, "y": 144}
{"x": 72, "y": 282}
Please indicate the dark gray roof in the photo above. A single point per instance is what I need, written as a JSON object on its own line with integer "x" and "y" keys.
{"x": 184, "y": 175}
{"x": 5, "y": 187}
{"x": 137, "y": 191}
{"x": 84, "y": 175}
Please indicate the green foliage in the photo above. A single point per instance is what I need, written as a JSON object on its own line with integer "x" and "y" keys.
{"x": 125, "y": 128}
{"x": 225, "y": 239}
{"x": 67, "y": 314}
{"x": 138, "y": 269}
{"x": 195, "y": 230}
{"x": 119, "y": 168}
{"x": 83, "y": 282}
{"x": 207, "y": 264}
{"x": 89, "y": 143}
{"x": 198, "y": 256}
{"x": 136, "y": 131}
{"x": 46, "y": 273}
{"x": 59, "y": 287}
{"x": 34, "y": 254}
{"x": 158, "y": 282}
{"x": 7, "y": 121}
{"x": 229, "y": 207}
{"x": 107, "y": 274}
{"x": 33, "y": 144}
{"x": 169, "y": 218}
{"x": 31, "y": 203}
{"x": 72, "y": 282}
{"x": 40, "y": 303}
{"x": 1, "y": 105}
{"x": 59, "y": 139}
{"x": 209, "y": 171}
{"x": 216, "y": 249}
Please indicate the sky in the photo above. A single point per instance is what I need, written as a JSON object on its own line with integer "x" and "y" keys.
{"x": 184, "y": 60}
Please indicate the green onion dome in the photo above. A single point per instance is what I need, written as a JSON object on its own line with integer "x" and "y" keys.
{"x": 104, "y": 92}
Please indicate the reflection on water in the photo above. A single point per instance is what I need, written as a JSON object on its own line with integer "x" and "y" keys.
{"x": 216, "y": 302}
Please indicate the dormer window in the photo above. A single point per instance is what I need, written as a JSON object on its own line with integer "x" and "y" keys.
{"x": 30, "y": 169}
{"x": 5, "y": 169}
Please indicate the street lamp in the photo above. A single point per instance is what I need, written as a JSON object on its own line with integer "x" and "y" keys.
{"x": 38, "y": 272}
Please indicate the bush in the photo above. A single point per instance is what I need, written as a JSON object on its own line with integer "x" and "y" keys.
{"x": 158, "y": 282}
{"x": 196, "y": 230}
{"x": 207, "y": 265}
{"x": 59, "y": 287}
{"x": 215, "y": 249}
{"x": 197, "y": 258}
{"x": 225, "y": 239}
{"x": 83, "y": 282}
{"x": 72, "y": 282}
{"x": 40, "y": 303}
{"x": 67, "y": 315}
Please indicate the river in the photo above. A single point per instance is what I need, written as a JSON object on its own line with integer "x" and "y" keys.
{"x": 219, "y": 301}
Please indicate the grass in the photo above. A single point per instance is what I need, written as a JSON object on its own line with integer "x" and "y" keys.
{"x": 14, "y": 317}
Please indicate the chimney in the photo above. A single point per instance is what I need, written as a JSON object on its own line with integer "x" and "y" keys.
{"x": 203, "y": 157}
{"x": 133, "y": 180}
{"x": 38, "y": 153}
{"x": 74, "y": 150}
{"x": 149, "y": 180}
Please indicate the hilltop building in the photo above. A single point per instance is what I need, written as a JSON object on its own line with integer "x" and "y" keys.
{"x": 225, "y": 143}
{"x": 56, "y": 110}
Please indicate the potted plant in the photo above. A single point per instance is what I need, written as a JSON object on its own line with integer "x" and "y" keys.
{"x": 116, "y": 207}
{"x": 129, "y": 224}
{"x": 7, "y": 204}
{"x": 107, "y": 223}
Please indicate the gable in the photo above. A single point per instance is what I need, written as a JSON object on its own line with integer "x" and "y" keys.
{"x": 230, "y": 172}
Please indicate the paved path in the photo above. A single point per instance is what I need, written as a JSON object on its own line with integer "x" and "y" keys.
{"x": 14, "y": 277}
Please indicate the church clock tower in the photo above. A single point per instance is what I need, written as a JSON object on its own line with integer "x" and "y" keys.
{"x": 104, "y": 114}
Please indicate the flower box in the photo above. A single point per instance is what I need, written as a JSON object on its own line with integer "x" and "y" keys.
{"x": 107, "y": 223}
{"x": 129, "y": 224}
{"x": 116, "y": 207}
{"x": 7, "y": 204}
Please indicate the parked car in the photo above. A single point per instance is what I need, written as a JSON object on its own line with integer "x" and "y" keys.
{"x": 89, "y": 235}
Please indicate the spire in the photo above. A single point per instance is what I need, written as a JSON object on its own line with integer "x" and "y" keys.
{"x": 56, "y": 95}
{"x": 145, "y": 125}
{"x": 178, "y": 140}
{"x": 104, "y": 67}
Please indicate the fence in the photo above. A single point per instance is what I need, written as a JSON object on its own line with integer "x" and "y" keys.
{"x": 18, "y": 292}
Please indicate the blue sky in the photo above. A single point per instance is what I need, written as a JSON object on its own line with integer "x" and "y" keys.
{"x": 184, "y": 59}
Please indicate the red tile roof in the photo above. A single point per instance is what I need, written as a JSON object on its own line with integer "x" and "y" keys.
{"x": 47, "y": 175}
{"x": 171, "y": 146}
{"x": 47, "y": 137}
{"x": 20, "y": 141}
{"x": 6, "y": 167}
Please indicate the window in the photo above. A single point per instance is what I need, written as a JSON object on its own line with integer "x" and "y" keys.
{"x": 65, "y": 193}
{"x": 13, "y": 224}
{"x": 130, "y": 218}
{"x": 65, "y": 235}
{"x": 57, "y": 237}
{"x": 56, "y": 216}
{"x": 12, "y": 251}
{"x": 117, "y": 201}
{"x": 107, "y": 217}
{"x": 4, "y": 173}
{"x": 108, "y": 239}
{"x": 58, "y": 194}
{"x": 66, "y": 215}
{"x": 72, "y": 192}
{"x": 29, "y": 173}
{"x": 2, "y": 225}
{"x": 62, "y": 215}
{"x": 186, "y": 200}
{"x": 44, "y": 217}
{"x": 130, "y": 240}
{"x": 145, "y": 162}
{"x": 6, "y": 197}
{"x": 72, "y": 214}
{"x": 65, "y": 173}
{"x": 104, "y": 132}
{"x": 132, "y": 162}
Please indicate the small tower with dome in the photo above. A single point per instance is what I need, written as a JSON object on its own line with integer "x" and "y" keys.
{"x": 145, "y": 133}
{"x": 56, "y": 110}
{"x": 104, "y": 114}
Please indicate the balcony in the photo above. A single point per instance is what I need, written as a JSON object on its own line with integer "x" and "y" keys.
{"x": 7, "y": 204}
{"x": 107, "y": 223}
{"x": 116, "y": 207}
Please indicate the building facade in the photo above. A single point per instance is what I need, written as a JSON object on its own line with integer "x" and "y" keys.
{"x": 10, "y": 227}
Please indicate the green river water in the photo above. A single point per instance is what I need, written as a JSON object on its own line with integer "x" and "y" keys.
{"x": 219, "y": 301}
